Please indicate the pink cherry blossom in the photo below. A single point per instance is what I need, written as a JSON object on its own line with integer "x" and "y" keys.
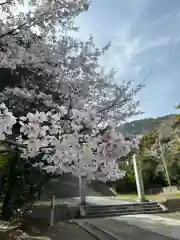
{"x": 80, "y": 149}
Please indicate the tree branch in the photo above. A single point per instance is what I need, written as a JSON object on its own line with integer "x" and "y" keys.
{"x": 143, "y": 81}
{"x": 1, "y": 4}
{"x": 15, "y": 144}
{"x": 13, "y": 30}
{"x": 31, "y": 23}
{"x": 113, "y": 104}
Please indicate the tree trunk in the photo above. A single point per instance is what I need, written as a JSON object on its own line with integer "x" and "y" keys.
{"x": 31, "y": 197}
{"x": 7, "y": 210}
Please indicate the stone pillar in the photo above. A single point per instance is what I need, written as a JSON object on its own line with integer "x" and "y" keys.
{"x": 82, "y": 190}
{"x": 52, "y": 212}
{"x": 139, "y": 180}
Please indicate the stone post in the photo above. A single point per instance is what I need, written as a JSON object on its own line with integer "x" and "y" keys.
{"x": 52, "y": 208}
{"x": 139, "y": 180}
{"x": 82, "y": 190}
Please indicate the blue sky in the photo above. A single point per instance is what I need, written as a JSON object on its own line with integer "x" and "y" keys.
{"x": 145, "y": 36}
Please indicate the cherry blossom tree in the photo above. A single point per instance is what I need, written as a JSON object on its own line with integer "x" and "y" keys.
{"x": 73, "y": 144}
{"x": 60, "y": 102}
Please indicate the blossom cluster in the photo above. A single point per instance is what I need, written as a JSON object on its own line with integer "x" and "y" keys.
{"x": 68, "y": 141}
{"x": 36, "y": 40}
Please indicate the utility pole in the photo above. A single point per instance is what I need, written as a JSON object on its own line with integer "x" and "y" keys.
{"x": 139, "y": 180}
{"x": 164, "y": 163}
{"x": 163, "y": 133}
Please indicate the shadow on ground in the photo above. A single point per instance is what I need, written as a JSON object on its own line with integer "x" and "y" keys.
{"x": 38, "y": 229}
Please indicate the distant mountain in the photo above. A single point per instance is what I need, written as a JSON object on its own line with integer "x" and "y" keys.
{"x": 142, "y": 126}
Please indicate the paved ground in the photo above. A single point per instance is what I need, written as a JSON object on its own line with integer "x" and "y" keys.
{"x": 125, "y": 231}
{"x": 145, "y": 227}
{"x": 68, "y": 231}
{"x": 131, "y": 227}
{"x": 173, "y": 215}
{"x": 95, "y": 200}
{"x": 135, "y": 227}
{"x": 153, "y": 223}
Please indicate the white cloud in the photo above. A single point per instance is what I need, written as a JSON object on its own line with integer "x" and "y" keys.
{"x": 160, "y": 59}
{"x": 161, "y": 19}
{"x": 177, "y": 39}
{"x": 137, "y": 69}
{"x": 178, "y": 14}
{"x": 123, "y": 50}
{"x": 126, "y": 48}
{"x": 158, "y": 42}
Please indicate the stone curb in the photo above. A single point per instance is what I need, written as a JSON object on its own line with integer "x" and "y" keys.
{"x": 98, "y": 233}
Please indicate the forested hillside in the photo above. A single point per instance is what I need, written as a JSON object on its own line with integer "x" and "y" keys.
{"x": 142, "y": 126}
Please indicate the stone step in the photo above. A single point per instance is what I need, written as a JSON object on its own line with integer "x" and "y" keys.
{"x": 124, "y": 205}
{"x": 124, "y": 209}
{"x": 120, "y": 206}
{"x": 115, "y": 214}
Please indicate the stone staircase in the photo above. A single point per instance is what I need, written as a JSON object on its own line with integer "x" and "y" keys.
{"x": 94, "y": 211}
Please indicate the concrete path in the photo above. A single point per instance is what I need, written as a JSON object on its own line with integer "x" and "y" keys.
{"x": 121, "y": 230}
{"x": 94, "y": 201}
{"x": 135, "y": 227}
{"x": 132, "y": 227}
{"x": 68, "y": 231}
{"x": 153, "y": 223}
{"x": 105, "y": 201}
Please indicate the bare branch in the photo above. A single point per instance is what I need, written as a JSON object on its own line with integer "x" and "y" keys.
{"x": 112, "y": 105}
{"x": 3, "y": 3}
{"x": 143, "y": 81}
{"x": 13, "y": 30}
{"x": 34, "y": 21}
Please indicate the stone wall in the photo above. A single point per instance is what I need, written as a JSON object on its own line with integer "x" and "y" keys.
{"x": 172, "y": 205}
